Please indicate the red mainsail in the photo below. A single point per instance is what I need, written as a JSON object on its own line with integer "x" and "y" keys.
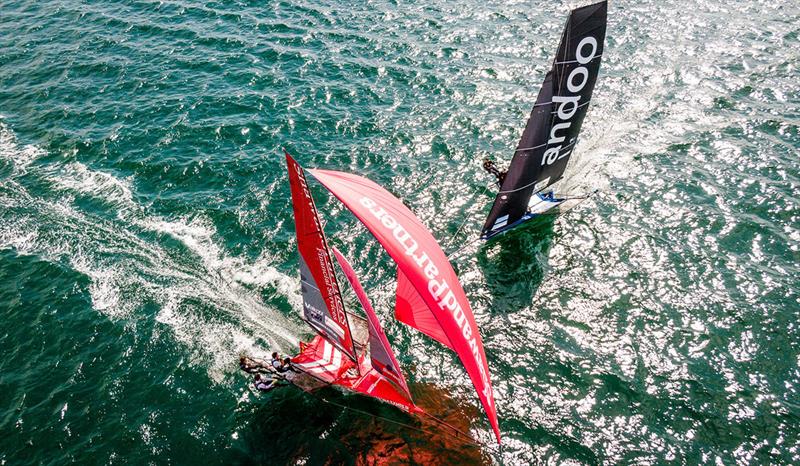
{"x": 323, "y": 308}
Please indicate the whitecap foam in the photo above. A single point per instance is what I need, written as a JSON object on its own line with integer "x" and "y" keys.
{"x": 77, "y": 177}
{"x": 261, "y": 275}
{"x": 224, "y": 276}
{"x": 11, "y": 149}
{"x": 127, "y": 268}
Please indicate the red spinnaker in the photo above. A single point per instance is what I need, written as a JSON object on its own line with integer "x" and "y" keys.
{"x": 427, "y": 270}
{"x": 381, "y": 355}
{"x": 323, "y": 308}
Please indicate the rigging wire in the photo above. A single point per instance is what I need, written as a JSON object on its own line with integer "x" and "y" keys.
{"x": 462, "y": 248}
{"x": 466, "y": 219}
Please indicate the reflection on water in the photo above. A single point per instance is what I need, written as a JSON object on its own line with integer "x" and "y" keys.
{"x": 332, "y": 427}
{"x": 514, "y": 263}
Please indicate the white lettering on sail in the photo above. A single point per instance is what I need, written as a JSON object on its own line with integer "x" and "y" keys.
{"x": 581, "y": 70}
{"x": 438, "y": 288}
{"x": 584, "y": 59}
{"x": 563, "y": 100}
{"x": 554, "y": 130}
{"x": 550, "y": 155}
{"x": 568, "y": 105}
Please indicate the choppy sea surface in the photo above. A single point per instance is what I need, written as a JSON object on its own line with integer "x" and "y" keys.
{"x": 147, "y": 239}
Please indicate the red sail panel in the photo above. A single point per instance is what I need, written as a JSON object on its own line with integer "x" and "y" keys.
{"x": 425, "y": 265}
{"x": 323, "y": 360}
{"x": 380, "y": 351}
{"x": 373, "y": 384}
{"x": 411, "y": 310}
{"x": 323, "y": 308}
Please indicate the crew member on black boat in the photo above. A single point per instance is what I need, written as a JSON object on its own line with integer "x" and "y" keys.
{"x": 489, "y": 166}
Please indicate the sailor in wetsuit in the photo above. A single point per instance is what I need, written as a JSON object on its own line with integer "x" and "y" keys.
{"x": 253, "y": 366}
{"x": 283, "y": 372}
{"x": 288, "y": 372}
{"x": 489, "y": 166}
{"x": 277, "y": 364}
{"x": 265, "y": 384}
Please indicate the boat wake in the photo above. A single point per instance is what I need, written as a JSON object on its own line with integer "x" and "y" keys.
{"x": 89, "y": 221}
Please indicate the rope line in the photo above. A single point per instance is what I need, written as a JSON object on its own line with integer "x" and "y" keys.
{"x": 466, "y": 219}
{"x": 462, "y": 248}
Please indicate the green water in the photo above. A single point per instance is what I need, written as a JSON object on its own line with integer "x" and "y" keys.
{"x": 146, "y": 237}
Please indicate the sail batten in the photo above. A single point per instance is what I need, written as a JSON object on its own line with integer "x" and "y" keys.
{"x": 555, "y": 121}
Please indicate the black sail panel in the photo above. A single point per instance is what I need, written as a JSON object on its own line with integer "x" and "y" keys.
{"x": 575, "y": 72}
{"x": 552, "y": 129}
{"x": 512, "y": 200}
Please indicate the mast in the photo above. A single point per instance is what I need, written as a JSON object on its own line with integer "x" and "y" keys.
{"x": 556, "y": 118}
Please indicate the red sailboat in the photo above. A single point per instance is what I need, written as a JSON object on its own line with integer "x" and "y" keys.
{"x": 429, "y": 297}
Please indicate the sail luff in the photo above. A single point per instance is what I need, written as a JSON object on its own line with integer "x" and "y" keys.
{"x": 323, "y": 308}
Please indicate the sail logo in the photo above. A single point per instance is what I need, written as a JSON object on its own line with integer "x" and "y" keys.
{"x": 568, "y": 105}
{"x": 331, "y": 327}
{"x": 314, "y": 313}
{"x": 330, "y": 281}
{"x": 438, "y": 288}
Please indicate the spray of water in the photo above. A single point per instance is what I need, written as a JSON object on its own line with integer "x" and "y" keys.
{"x": 131, "y": 258}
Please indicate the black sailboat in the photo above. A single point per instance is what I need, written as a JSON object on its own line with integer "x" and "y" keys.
{"x": 552, "y": 129}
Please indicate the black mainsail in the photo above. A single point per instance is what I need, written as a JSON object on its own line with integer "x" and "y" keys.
{"x": 552, "y": 129}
